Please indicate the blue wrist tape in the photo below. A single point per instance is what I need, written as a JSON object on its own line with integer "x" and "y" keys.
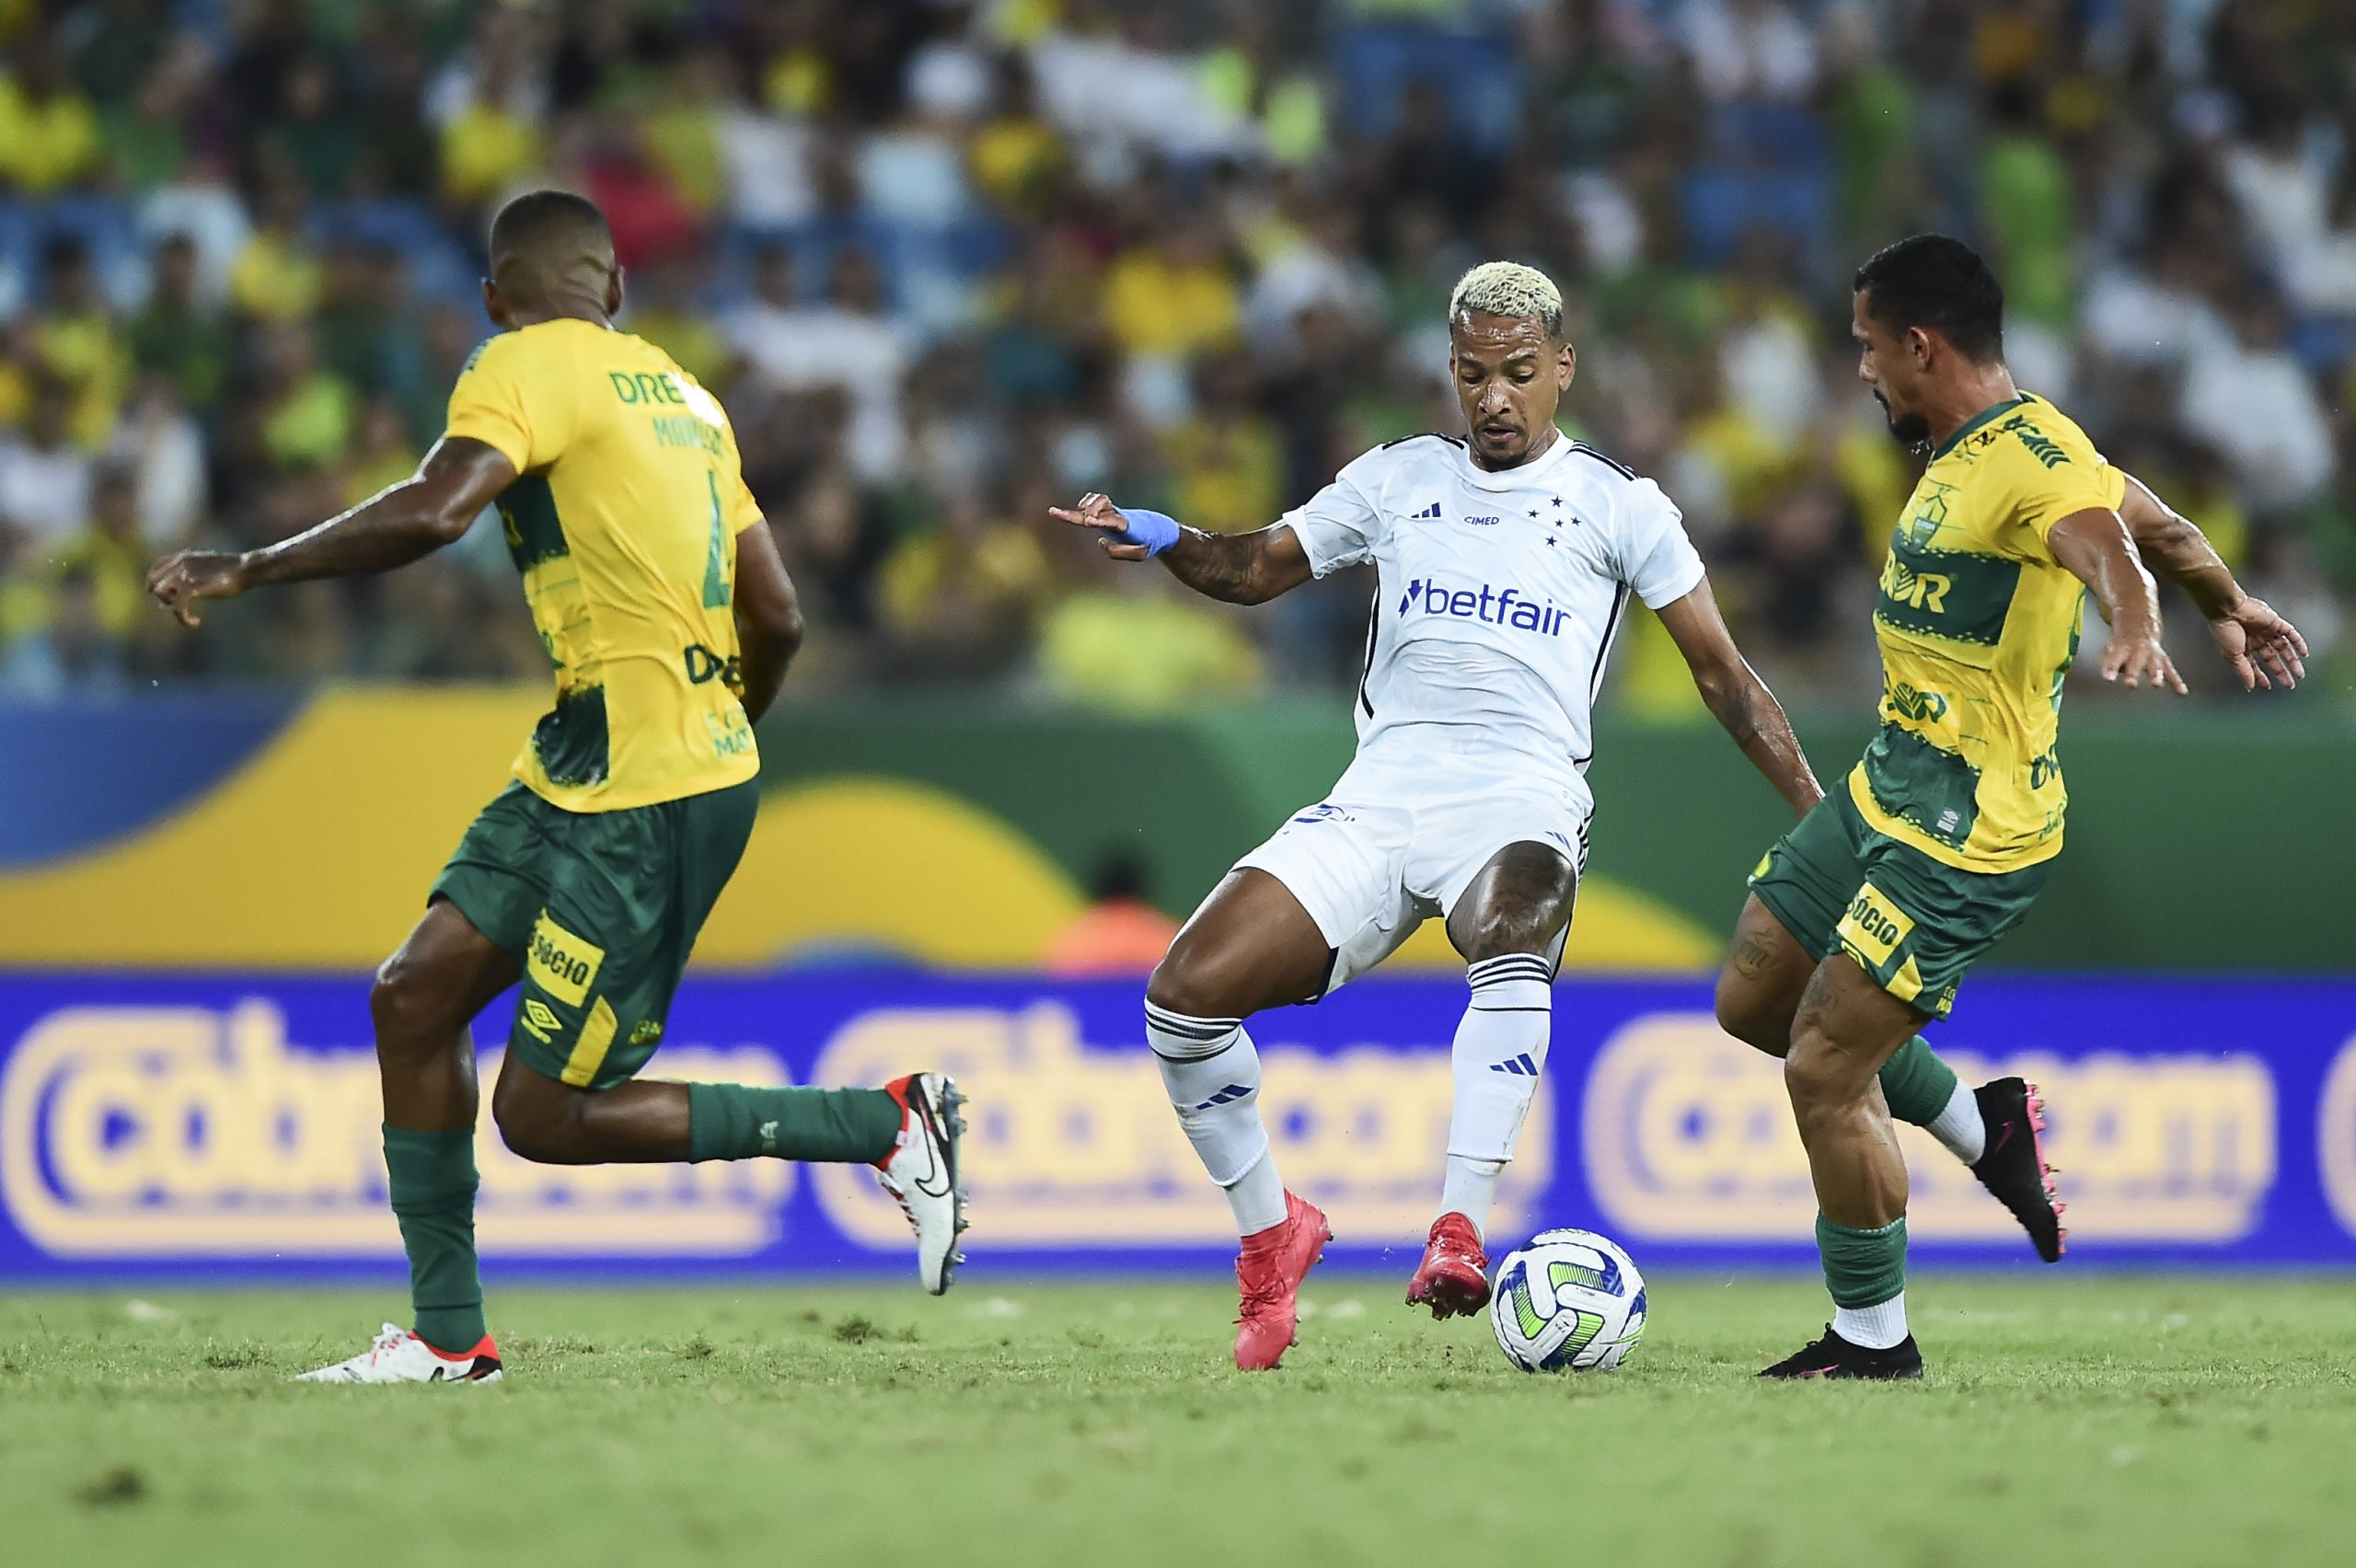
{"x": 1155, "y": 530}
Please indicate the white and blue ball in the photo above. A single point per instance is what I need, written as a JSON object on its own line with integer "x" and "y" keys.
{"x": 1570, "y": 1301}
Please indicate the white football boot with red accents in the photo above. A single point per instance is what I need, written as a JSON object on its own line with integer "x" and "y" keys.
{"x": 920, "y": 1173}
{"x": 399, "y": 1356}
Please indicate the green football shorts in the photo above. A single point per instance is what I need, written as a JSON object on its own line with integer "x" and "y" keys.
{"x": 1912, "y": 923}
{"x": 603, "y": 908}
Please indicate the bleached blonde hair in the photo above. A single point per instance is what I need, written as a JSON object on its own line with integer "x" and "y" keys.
{"x": 1508, "y": 288}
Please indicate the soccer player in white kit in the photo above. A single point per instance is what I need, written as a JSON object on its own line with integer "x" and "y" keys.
{"x": 1505, "y": 560}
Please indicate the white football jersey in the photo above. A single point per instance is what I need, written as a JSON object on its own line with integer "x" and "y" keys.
{"x": 1498, "y": 593}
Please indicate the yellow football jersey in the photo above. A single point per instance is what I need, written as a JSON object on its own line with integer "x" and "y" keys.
{"x": 1978, "y": 624}
{"x": 623, "y": 521}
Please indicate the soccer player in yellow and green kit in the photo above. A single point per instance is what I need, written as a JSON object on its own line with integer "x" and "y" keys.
{"x": 1862, "y": 919}
{"x": 662, "y": 604}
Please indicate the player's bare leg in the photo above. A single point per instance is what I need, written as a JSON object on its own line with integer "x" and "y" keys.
{"x": 422, "y": 1000}
{"x": 908, "y": 1130}
{"x": 1760, "y": 983}
{"x": 1847, "y": 1027}
{"x": 1508, "y": 926}
{"x": 1250, "y": 946}
{"x": 1994, "y": 1129}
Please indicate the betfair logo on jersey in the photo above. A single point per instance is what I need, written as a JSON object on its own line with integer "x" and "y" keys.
{"x": 561, "y": 964}
{"x": 1490, "y": 607}
{"x": 703, "y": 665}
{"x": 1925, "y": 591}
{"x": 1687, "y": 1137}
{"x": 2040, "y": 446}
{"x": 204, "y": 1133}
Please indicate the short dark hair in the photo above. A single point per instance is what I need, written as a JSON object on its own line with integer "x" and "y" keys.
{"x": 1941, "y": 285}
{"x": 545, "y": 235}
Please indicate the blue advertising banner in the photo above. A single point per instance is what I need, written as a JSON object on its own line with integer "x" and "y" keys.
{"x": 228, "y": 1128}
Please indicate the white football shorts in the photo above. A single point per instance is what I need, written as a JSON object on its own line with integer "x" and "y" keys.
{"x": 1391, "y": 848}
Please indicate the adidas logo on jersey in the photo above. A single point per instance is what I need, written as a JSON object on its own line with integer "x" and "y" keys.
{"x": 1490, "y": 607}
{"x": 1520, "y": 1066}
{"x": 1427, "y": 513}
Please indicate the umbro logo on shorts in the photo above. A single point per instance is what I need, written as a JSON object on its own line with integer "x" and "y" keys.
{"x": 1520, "y": 1066}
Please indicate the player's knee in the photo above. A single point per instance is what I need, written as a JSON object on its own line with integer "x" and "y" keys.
{"x": 407, "y": 1006}
{"x": 1184, "y": 983}
{"x": 1751, "y": 1016}
{"x": 1498, "y": 932}
{"x": 1817, "y": 1077}
{"x": 541, "y": 1133}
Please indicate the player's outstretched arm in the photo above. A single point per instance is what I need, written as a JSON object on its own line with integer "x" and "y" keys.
{"x": 2264, "y": 649}
{"x": 393, "y": 528}
{"x": 1740, "y": 699}
{"x": 768, "y": 619}
{"x": 1242, "y": 569}
{"x": 2095, "y": 548}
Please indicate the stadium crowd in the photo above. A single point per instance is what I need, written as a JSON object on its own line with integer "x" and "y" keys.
{"x": 949, "y": 262}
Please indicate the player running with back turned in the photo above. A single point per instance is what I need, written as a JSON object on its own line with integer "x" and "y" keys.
{"x": 1862, "y": 919}
{"x": 664, "y": 606}
{"x": 1505, "y": 560}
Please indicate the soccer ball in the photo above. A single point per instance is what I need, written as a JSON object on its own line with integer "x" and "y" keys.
{"x": 1570, "y": 1301}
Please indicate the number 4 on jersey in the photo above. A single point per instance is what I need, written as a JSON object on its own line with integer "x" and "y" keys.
{"x": 715, "y": 566}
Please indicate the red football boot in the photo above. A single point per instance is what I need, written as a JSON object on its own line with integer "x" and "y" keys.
{"x": 1269, "y": 1270}
{"x": 1454, "y": 1279}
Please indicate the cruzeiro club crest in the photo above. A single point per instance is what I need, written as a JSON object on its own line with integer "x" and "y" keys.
{"x": 1930, "y": 512}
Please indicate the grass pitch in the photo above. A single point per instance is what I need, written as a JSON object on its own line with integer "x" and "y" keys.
{"x": 2077, "y": 1421}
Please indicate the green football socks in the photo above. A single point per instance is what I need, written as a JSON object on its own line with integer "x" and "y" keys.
{"x": 1916, "y": 1083}
{"x": 1863, "y": 1268}
{"x": 433, "y": 1182}
{"x": 846, "y": 1126}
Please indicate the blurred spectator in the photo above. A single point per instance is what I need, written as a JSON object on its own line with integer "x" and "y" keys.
{"x": 45, "y": 476}
{"x": 963, "y": 599}
{"x": 950, "y": 260}
{"x": 177, "y": 334}
{"x": 664, "y": 306}
{"x": 2252, "y": 402}
{"x": 77, "y": 338}
{"x": 49, "y": 133}
{"x": 160, "y": 446}
{"x": 1118, "y": 933}
{"x": 844, "y": 342}
{"x": 278, "y": 274}
{"x": 1131, "y": 639}
{"x": 306, "y": 409}
{"x": 1174, "y": 295}
{"x": 1750, "y": 51}
{"x": 1228, "y": 466}
{"x": 71, "y": 653}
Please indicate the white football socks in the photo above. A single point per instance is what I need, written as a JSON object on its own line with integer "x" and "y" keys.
{"x": 1873, "y": 1328}
{"x": 1499, "y": 1053}
{"x": 1960, "y": 1128}
{"x": 1212, "y": 1073}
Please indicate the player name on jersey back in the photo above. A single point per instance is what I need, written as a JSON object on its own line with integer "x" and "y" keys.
{"x": 1499, "y": 594}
